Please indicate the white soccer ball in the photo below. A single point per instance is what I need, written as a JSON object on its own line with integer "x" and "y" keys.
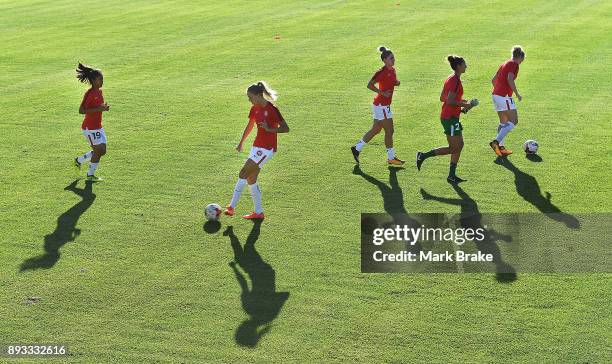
{"x": 212, "y": 212}
{"x": 530, "y": 147}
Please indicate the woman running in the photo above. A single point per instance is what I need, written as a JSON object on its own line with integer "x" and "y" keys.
{"x": 383, "y": 118}
{"x": 503, "y": 88}
{"x": 269, "y": 123}
{"x": 449, "y": 117}
{"x": 92, "y": 107}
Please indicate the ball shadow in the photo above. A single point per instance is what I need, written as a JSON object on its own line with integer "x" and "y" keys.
{"x": 533, "y": 157}
{"x": 212, "y": 227}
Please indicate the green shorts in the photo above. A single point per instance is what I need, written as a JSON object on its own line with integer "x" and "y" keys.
{"x": 452, "y": 126}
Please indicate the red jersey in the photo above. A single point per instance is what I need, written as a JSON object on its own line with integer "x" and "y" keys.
{"x": 273, "y": 117}
{"x": 502, "y": 88}
{"x": 386, "y": 80}
{"x": 452, "y": 83}
{"x": 93, "y": 98}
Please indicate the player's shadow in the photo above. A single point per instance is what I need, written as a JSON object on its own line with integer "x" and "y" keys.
{"x": 393, "y": 201}
{"x": 471, "y": 217}
{"x": 65, "y": 231}
{"x": 528, "y": 188}
{"x": 261, "y": 302}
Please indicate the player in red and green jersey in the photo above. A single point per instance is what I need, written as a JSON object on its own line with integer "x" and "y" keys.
{"x": 452, "y": 106}
{"x": 92, "y": 107}
{"x": 269, "y": 123}
{"x": 381, "y": 108}
{"x": 503, "y": 89}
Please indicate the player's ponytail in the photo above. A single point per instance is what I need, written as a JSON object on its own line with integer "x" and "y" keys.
{"x": 262, "y": 89}
{"x": 384, "y": 53}
{"x": 455, "y": 61}
{"x": 518, "y": 52}
{"x": 87, "y": 74}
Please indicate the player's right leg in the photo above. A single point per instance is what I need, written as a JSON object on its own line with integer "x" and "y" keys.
{"x": 249, "y": 168}
{"x": 392, "y": 160}
{"x": 456, "y": 146}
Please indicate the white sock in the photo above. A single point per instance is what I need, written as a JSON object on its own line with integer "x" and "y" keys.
{"x": 92, "y": 169}
{"x": 390, "y": 153}
{"x": 504, "y": 131}
{"x": 360, "y": 145}
{"x": 238, "y": 191}
{"x": 85, "y": 157}
{"x": 256, "y": 195}
{"x": 499, "y": 127}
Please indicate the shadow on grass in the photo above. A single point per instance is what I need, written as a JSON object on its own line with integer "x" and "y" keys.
{"x": 262, "y": 303}
{"x": 212, "y": 227}
{"x": 472, "y": 218}
{"x": 528, "y": 188}
{"x": 65, "y": 230}
{"x": 393, "y": 203}
{"x": 533, "y": 157}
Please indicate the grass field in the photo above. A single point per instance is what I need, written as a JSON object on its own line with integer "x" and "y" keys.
{"x": 139, "y": 280}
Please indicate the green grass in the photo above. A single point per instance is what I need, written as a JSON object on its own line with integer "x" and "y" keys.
{"x": 144, "y": 282}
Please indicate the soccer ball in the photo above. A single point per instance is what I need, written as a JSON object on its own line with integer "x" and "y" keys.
{"x": 530, "y": 147}
{"x": 212, "y": 212}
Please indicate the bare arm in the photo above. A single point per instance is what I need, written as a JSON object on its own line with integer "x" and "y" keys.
{"x": 245, "y": 134}
{"x": 513, "y": 85}
{"x": 372, "y": 87}
{"x": 494, "y": 79}
{"x": 450, "y": 100}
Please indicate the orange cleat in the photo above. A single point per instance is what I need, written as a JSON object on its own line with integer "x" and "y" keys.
{"x": 495, "y": 146}
{"x": 504, "y": 151}
{"x": 229, "y": 211}
{"x": 395, "y": 162}
{"x": 254, "y": 215}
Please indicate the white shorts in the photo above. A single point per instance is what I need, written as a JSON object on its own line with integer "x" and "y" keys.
{"x": 503, "y": 103}
{"x": 382, "y": 112}
{"x": 260, "y": 156}
{"x": 95, "y": 137}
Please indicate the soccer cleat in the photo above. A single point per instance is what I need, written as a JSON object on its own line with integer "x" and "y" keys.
{"x": 254, "y": 215}
{"x": 495, "y": 146}
{"x": 455, "y": 179}
{"x": 94, "y": 179}
{"x": 419, "y": 160}
{"x": 229, "y": 211}
{"x": 77, "y": 165}
{"x": 355, "y": 154}
{"x": 395, "y": 162}
{"x": 504, "y": 151}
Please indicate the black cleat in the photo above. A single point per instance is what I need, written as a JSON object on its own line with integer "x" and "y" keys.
{"x": 355, "y": 154}
{"x": 419, "y": 160}
{"x": 455, "y": 180}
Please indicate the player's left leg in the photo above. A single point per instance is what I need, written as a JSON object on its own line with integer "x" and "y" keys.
{"x": 78, "y": 161}
{"x": 356, "y": 149}
{"x": 508, "y": 120}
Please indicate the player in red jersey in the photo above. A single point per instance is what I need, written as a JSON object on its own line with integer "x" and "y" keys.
{"x": 269, "y": 122}
{"x": 383, "y": 118}
{"x": 503, "y": 88}
{"x": 92, "y": 106}
{"x": 451, "y": 96}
